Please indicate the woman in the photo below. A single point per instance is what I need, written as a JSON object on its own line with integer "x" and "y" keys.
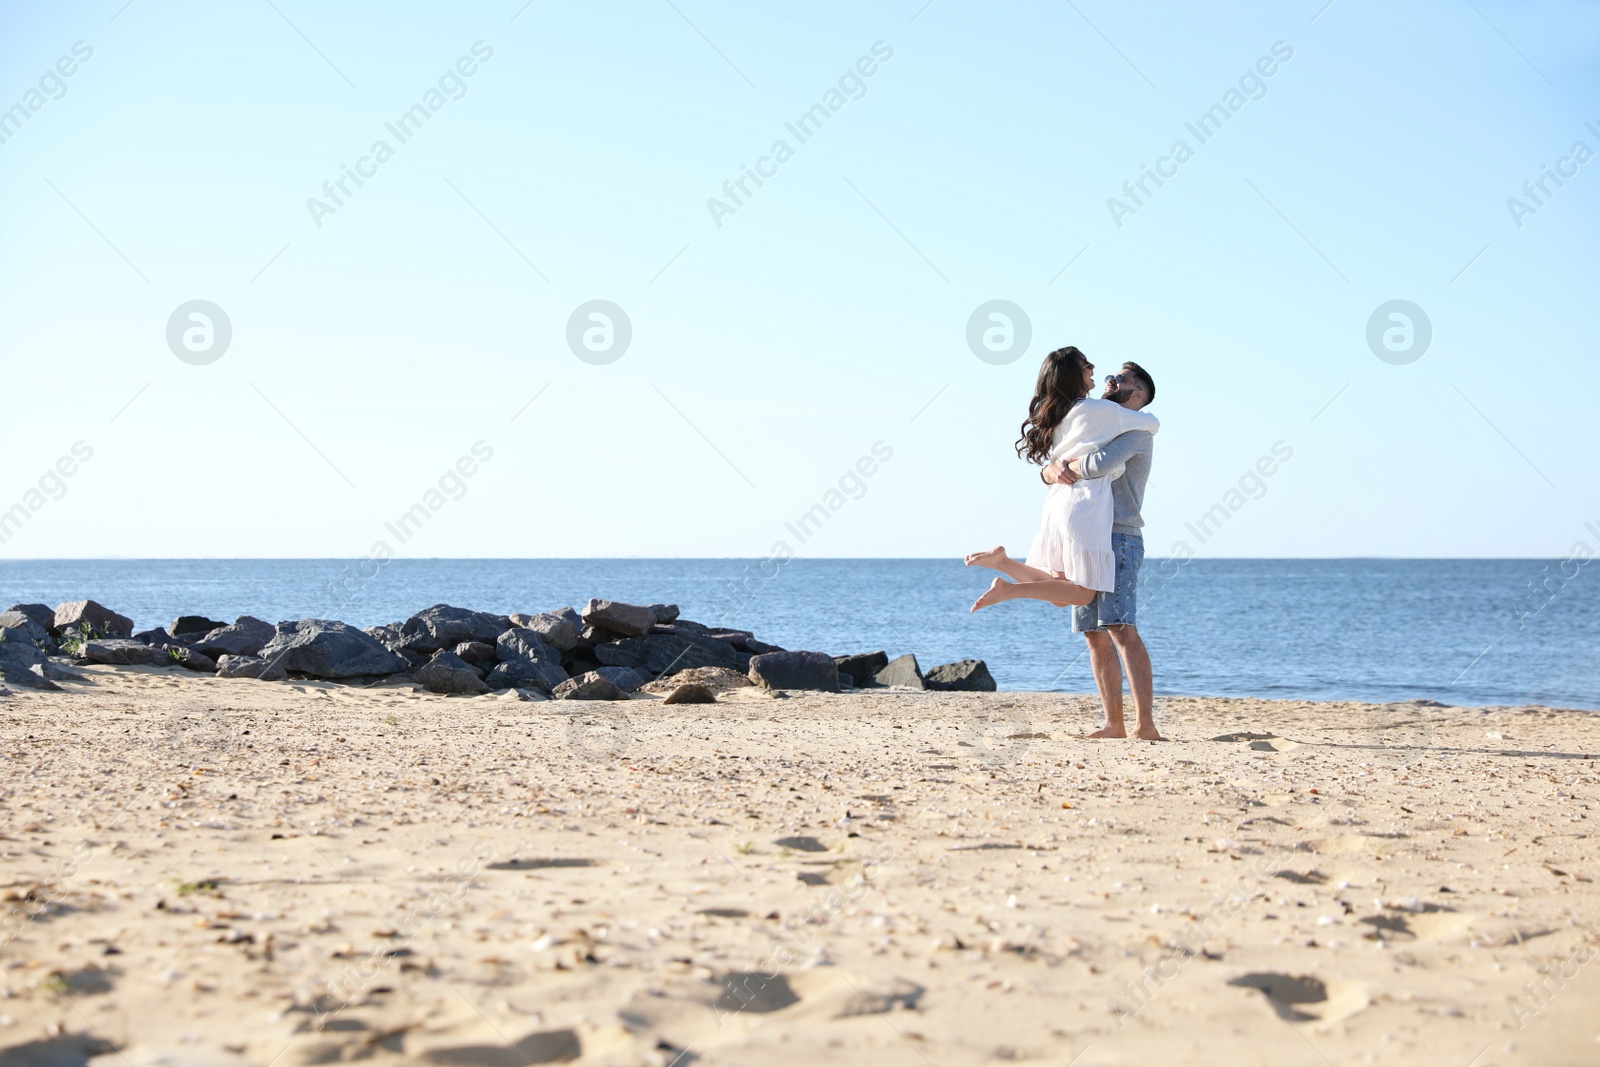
{"x": 1071, "y": 557}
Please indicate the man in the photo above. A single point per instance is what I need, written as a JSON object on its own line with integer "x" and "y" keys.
{"x": 1108, "y": 621}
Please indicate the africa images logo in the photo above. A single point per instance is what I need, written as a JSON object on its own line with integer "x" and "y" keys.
{"x": 1399, "y": 332}
{"x": 199, "y": 332}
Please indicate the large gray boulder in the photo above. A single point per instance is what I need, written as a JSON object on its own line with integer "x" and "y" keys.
{"x": 56, "y": 673}
{"x": 388, "y": 635}
{"x": 521, "y": 642}
{"x": 568, "y": 613}
{"x": 325, "y": 648}
{"x": 736, "y": 638}
{"x": 665, "y": 612}
{"x": 250, "y": 667}
{"x": 559, "y": 629}
{"x": 24, "y": 664}
{"x": 18, "y": 626}
{"x": 543, "y": 675}
{"x": 526, "y": 662}
{"x": 444, "y": 626}
{"x": 476, "y": 652}
{"x": 590, "y": 686}
{"x": 624, "y": 620}
{"x": 581, "y": 663}
{"x": 197, "y": 625}
{"x": 27, "y": 677}
{"x": 42, "y": 614}
{"x": 246, "y": 637}
{"x": 124, "y": 652}
{"x": 862, "y": 666}
{"x": 795, "y": 670}
{"x": 902, "y": 671}
{"x": 188, "y": 658}
{"x": 19, "y": 650}
{"x": 101, "y": 620}
{"x": 669, "y": 653}
{"x": 967, "y": 676}
{"x": 624, "y": 678}
{"x": 448, "y": 673}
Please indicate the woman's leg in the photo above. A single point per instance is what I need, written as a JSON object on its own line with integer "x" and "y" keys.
{"x": 997, "y": 560}
{"x": 1057, "y": 591}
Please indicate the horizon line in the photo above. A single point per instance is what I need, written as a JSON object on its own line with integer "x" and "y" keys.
{"x": 813, "y": 559}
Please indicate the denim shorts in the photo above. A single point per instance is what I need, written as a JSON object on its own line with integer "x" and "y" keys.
{"x": 1120, "y": 607}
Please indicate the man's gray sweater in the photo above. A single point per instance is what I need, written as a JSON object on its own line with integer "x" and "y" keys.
{"x": 1126, "y": 460}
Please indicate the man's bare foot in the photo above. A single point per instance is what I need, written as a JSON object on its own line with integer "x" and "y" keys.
{"x": 996, "y": 592}
{"x": 1109, "y": 731}
{"x": 991, "y": 559}
{"x": 1147, "y": 733}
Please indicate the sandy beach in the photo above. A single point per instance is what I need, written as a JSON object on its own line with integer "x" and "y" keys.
{"x": 226, "y": 871}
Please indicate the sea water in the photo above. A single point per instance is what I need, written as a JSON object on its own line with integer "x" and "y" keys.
{"x": 1463, "y": 632}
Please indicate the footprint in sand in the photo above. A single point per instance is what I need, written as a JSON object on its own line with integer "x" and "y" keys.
{"x": 548, "y": 1046}
{"x": 540, "y": 863}
{"x": 801, "y": 844}
{"x": 1343, "y": 843}
{"x": 743, "y": 1003}
{"x": 755, "y": 992}
{"x": 678, "y": 1015}
{"x": 1302, "y": 998}
{"x": 1432, "y": 921}
{"x": 70, "y": 1049}
{"x": 1260, "y": 742}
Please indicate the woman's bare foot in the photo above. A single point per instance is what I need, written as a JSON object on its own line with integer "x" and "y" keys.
{"x": 991, "y": 559}
{"x": 1108, "y": 731}
{"x": 998, "y": 590}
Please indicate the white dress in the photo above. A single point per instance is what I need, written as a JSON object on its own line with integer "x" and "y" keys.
{"x": 1074, "y": 537}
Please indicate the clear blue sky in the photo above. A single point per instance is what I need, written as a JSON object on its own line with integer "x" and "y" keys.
{"x": 829, "y": 311}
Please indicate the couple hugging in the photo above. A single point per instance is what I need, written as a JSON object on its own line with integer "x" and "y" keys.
{"x": 1090, "y": 545}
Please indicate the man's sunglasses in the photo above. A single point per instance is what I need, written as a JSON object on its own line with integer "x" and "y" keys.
{"x": 1118, "y": 379}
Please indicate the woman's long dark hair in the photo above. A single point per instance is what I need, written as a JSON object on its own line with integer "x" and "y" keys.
{"x": 1060, "y": 386}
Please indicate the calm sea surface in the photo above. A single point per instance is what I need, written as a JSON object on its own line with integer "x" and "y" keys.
{"x": 1462, "y": 632}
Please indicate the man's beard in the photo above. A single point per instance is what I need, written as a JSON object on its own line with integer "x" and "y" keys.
{"x": 1119, "y": 395}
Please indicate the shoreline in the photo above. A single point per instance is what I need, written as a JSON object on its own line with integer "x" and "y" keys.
{"x": 406, "y": 877}
{"x": 1458, "y": 610}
